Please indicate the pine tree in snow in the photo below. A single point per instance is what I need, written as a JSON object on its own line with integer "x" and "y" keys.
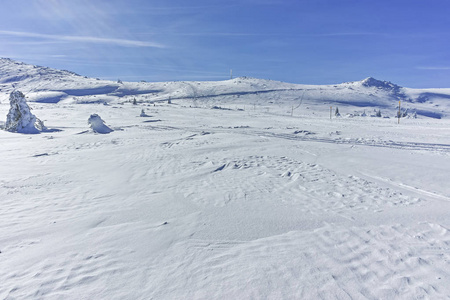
{"x": 19, "y": 118}
{"x": 336, "y": 113}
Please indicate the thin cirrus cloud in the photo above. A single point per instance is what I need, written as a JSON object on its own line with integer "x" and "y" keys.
{"x": 434, "y": 68}
{"x": 86, "y": 39}
{"x": 268, "y": 34}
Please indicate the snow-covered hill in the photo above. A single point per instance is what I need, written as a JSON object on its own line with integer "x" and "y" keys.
{"x": 46, "y": 85}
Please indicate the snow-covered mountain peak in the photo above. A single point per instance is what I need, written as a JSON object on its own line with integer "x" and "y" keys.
{"x": 372, "y": 82}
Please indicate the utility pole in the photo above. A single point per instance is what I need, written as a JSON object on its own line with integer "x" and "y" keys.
{"x": 231, "y": 73}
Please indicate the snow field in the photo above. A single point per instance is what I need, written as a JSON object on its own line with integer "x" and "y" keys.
{"x": 206, "y": 203}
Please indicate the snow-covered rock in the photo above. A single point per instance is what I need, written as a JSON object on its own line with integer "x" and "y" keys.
{"x": 98, "y": 125}
{"x": 19, "y": 118}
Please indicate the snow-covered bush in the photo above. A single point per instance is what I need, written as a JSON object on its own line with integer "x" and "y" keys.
{"x": 143, "y": 114}
{"x": 98, "y": 125}
{"x": 19, "y": 118}
{"x": 403, "y": 113}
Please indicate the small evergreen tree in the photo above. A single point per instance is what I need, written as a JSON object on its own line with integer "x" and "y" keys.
{"x": 336, "y": 113}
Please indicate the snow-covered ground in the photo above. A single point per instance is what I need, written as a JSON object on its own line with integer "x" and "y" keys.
{"x": 200, "y": 203}
{"x": 241, "y": 189}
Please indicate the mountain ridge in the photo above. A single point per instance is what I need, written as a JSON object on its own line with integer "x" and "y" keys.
{"x": 47, "y": 85}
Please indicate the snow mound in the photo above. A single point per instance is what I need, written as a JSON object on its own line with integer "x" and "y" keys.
{"x": 98, "y": 125}
{"x": 19, "y": 118}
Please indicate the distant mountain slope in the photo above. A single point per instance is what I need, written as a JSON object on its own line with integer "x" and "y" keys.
{"x": 42, "y": 84}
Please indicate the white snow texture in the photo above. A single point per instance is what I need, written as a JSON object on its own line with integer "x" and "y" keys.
{"x": 238, "y": 189}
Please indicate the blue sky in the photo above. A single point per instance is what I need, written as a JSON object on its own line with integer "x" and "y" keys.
{"x": 300, "y": 41}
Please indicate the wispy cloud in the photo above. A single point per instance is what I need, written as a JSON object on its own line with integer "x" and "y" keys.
{"x": 268, "y": 34}
{"x": 434, "y": 68}
{"x": 85, "y": 39}
{"x": 345, "y": 34}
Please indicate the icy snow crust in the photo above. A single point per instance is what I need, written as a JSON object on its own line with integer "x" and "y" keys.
{"x": 254, "y": 200}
